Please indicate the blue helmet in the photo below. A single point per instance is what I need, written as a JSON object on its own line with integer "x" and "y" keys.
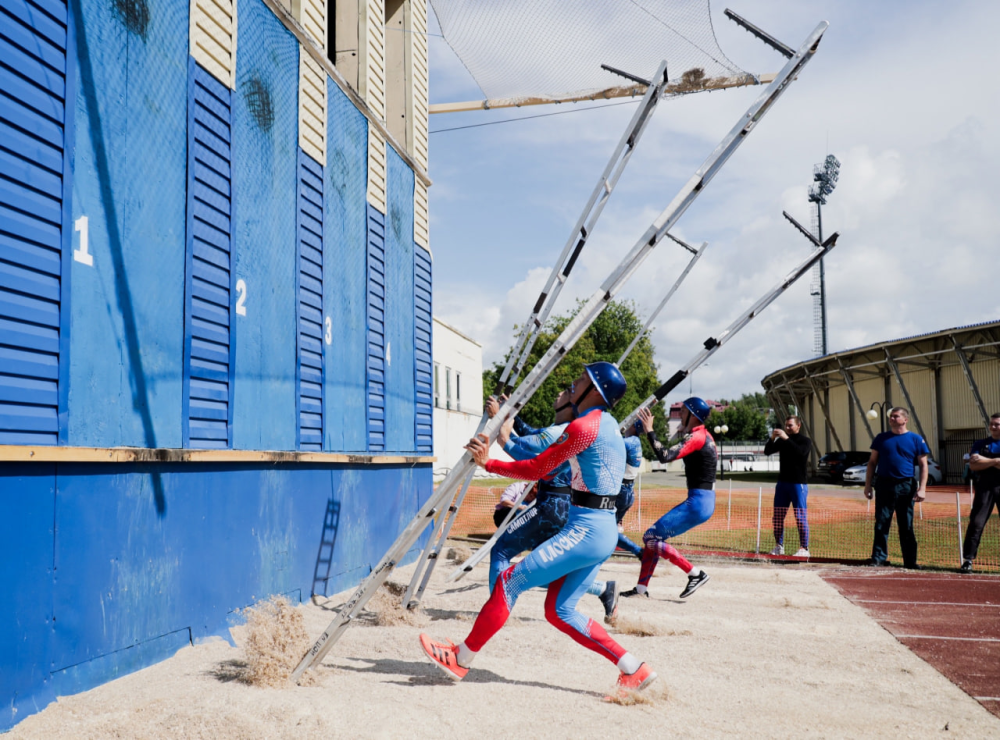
{"x": 698, "y": 407}
{"x": 608, "y": 380}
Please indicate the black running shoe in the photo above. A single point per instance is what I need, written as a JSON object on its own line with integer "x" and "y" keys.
{"x": 633, "y": 592}
{"x": 966, "y": 567}
{"x": 694, "y": 583}
{"x": 610, "y": 600}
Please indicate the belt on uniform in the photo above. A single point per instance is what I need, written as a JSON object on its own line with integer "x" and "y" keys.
{"x": 592, "y": 501}
{"x": 554, "y": 490}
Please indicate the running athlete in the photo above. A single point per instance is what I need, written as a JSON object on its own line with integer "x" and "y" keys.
{"x": 698, "y": 450}
{"x": 544, "y": 520}
{"x": 626, "y": 495}
{"x": 568, "y": 562}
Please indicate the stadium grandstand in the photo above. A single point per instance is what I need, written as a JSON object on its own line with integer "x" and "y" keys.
{"x": 949, "y": 380}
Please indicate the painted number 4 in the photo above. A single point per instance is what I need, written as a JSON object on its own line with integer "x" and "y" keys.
{"x": 81, "y": 254}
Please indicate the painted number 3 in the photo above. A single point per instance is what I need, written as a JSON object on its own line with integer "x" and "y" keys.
{"x": 328, "y": 332}
{"x": 241, "y": 297}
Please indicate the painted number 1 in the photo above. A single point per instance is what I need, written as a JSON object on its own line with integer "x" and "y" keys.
{"x": 241, "y": 297}
{"x": 81, "y": 254}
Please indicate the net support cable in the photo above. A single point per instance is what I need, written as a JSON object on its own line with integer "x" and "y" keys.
{"x": 573, "y": 331}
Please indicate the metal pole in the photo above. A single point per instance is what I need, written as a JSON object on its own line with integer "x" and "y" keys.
{"x": 822, "y": 281}
{"x": 760, "y": 500}
{"x": 638, "y": 485}
{"x": 958, "y": 521}
{"x": 729, "y": 508}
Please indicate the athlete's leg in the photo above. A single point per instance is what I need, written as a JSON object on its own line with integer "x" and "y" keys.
{"x": 628, "y": 545}
{"x": 782, "y": 498}
{"x": 800, "y": 505}
{"x": 528, "y": 530}
{"x": 587, "y": 539}
{"x": 694, "y": 510}
{"x": 982, "y": 507}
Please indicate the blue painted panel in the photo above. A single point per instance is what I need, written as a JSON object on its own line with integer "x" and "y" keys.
{"x": 265, "y": 146}
{"x": 345, "y": 247}
{"x": 33, "y": 188}
{"x": 27, "y": 514}
{"x": 400, "y": 418}
{"x": 309, "y": 289}
{"x": 209, "y": 284}
{"x": 422, "y": 351}
{"x": 129, "y": 181}
{"x": 376, "y": 330}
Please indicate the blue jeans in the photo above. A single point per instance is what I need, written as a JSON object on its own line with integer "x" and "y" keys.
{"x": 794, "y": 495}
{"x": 696, "y": 509}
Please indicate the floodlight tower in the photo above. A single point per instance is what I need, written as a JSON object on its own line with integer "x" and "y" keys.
{"x": 825, "y": 177}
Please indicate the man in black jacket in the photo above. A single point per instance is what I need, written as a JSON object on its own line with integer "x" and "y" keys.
{"x": 792, "y": 487}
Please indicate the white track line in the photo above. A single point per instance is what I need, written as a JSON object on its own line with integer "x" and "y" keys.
{"x": 938, "y": 637}
{"x": 924, "y": 603}
{"x": 986, "y": 698}
{"x": 875, "y": 576}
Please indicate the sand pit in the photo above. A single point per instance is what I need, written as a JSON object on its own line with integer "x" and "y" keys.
{"x": 761, "y": 651}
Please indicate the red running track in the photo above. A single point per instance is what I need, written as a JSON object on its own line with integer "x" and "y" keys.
{"x": 952, "y": 621}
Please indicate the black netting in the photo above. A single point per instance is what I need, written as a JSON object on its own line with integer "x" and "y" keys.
{"x": 555, "y": 48}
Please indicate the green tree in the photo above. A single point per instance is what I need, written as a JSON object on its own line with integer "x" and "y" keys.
{"x": 606, "y": 339}
{"x": 746, "y": 418}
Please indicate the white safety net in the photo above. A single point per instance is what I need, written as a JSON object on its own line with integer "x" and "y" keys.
{"x": 554, "y": 49}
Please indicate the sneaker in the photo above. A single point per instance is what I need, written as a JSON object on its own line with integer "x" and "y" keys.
{"x": 694, "y": 583}
{"x": 636, "y": 681}
{"x": 873, "y": 563}
{"x": 445, "y": 656}
{"x": 802, "y": 553}
{"x": 778, "y": 550}
{"x": 966, "y": 567}
{"x": 914, "y": 566}
{"x": 610, "y": 600}
{"x": 634, "y": 592}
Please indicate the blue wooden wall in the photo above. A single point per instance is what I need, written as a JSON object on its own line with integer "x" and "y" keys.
{"x": 129, "y": 180}
{"x": 265, "y": 147}
{"x": 121, "y": 565}
{"x": 345, "y": 228}
{"x": 400, "y": 392}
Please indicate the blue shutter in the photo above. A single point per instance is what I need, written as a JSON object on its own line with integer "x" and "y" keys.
{"x": 423, "y": 362}
{"x": 309, "y": 292}
{"x": 34, "y": 219}
{"x": 209, "y": 341}
{"x": 376, "y": 330}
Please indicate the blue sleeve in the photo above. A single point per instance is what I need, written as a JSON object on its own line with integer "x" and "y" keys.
{"x": 977, "y": 447}
{"x": 877, "y": 442}
{"x": 633, "y": 451}
{"x": 523, "y": 430}
{"x": 922, "y": 448}
{"x": 528, "y": 446}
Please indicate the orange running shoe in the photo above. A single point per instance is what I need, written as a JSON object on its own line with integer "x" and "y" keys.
{"x": 636, "y": 681}
{"x": 445, "y": 656}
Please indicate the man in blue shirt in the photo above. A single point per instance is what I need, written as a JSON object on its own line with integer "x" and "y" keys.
{"x": 985, "y": 465}
{"x": 899, "y": 465}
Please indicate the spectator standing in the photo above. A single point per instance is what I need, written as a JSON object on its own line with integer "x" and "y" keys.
{"x": 897, "y": 457}
{"x": 792, "y": 488}
{"x": 984, "y": 461}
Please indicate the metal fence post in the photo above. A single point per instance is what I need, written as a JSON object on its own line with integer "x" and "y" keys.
{"x": 729, "y": 508}
{"x": 958, "y": 521}
{"x": 760, "y": 498}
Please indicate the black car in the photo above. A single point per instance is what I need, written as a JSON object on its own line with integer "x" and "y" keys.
{"x": 832, "y": 465}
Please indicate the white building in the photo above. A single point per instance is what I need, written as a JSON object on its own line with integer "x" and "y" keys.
{"x": 458, "y": 393}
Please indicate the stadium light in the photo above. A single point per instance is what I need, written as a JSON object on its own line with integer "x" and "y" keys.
{"x": 825, "y": 176}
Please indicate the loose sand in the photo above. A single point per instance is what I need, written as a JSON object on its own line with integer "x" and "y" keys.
{"x": 759, "y": 651}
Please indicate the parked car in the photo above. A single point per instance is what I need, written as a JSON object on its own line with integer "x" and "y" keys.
{"x": 833, "y": 464}
{"x": 855, "y": 476}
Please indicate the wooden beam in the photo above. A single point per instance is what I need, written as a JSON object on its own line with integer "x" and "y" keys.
{"x": 628, "y": 91}
{"x": 25, "y": 453}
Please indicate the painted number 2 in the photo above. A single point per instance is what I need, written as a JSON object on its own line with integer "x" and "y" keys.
{"x": 241, "y": 297}
{"x": 328, "y": 332}
{"x": 81, "y": 254}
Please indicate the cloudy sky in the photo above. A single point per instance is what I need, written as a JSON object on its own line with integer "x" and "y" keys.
{"x": 902, "y": 92}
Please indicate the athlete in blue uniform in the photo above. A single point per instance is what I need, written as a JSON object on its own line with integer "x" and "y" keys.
{"x": 698, "y": 450}
{"x": 984, "y": 461}
{"x": 544, "y": 520}
{"x": 626, "y": 495}
{"x": 568, "y": 562}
